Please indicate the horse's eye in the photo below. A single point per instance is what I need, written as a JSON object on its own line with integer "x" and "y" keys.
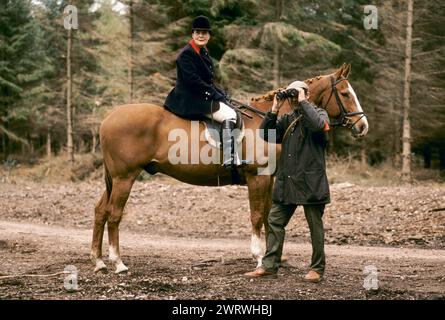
{"x": 344, "y": 94}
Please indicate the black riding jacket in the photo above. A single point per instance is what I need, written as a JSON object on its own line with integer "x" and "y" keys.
{"x": 194, "y": 91}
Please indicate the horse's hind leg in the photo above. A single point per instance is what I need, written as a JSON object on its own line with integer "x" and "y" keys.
{"x": 260, "y": 188}
{"x": 100, "y": 218}
{"x": 119, "y": 196}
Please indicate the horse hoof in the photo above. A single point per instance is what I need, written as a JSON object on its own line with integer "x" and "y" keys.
{"x": 121, "y": 268}
{"x": 100, "y": 266}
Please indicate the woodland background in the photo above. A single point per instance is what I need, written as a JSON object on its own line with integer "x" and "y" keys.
{"x": 56, "y": 84}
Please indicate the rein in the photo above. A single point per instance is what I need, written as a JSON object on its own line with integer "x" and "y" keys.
{"x": 241, "y": 105}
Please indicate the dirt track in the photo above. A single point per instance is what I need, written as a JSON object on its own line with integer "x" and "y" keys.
{"x": 196, "y": 251}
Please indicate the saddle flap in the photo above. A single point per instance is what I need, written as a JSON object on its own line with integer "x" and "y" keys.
{"x": 213, "y": 129}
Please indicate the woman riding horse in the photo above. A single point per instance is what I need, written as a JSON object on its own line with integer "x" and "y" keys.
{"x": 195, "y": 93}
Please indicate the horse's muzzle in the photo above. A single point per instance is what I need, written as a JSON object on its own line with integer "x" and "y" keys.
{"x": 360, "y": 129}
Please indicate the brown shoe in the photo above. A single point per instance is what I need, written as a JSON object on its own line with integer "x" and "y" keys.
{"x": 259, "y": 272}
{"x": 313, "y": 276}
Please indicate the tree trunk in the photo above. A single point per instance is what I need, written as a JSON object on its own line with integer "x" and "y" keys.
{"x": 4, "y": 151}
{"x": 276, "y": 64}
{"x": 277, "y": 48}
{"x": 94, "y": 143}
{"x": 131, "y": 40}
{"x": 69, "y": 123}
{"x": 442, "y": 159}
{"x": 279, "y": 7}
{"x": 396, "y": 137}
{"x": 48, "y": 143}
{"x": 406, "y": 154}
{"x": 31, "y": 146}
{"x": 427, "y": 156}
{"x": 94, "y": 131}
{"x": 5, "y": 140}
{"x": 81, "y": 147}
{"x": 23, "y": 149}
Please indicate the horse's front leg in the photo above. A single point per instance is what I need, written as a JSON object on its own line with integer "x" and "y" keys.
{"x": 260, "y": 194}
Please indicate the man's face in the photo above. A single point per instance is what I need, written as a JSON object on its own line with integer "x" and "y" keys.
{"x": 201, "y": 37}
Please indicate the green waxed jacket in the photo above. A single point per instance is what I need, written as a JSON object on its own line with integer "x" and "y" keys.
{"x": 301, "y": 172}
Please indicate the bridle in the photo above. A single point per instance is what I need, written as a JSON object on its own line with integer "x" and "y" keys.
{"x": 345, "y": 116}
{"x": 344, "y": 119}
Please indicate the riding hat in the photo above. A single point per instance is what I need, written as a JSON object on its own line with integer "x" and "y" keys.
{"x": 201, "y": 23}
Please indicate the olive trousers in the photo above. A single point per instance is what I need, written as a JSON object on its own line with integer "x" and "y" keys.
{"x": 278, "y": 219}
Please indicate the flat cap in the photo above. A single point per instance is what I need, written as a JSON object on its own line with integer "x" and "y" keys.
{"x": 297, "y": 85}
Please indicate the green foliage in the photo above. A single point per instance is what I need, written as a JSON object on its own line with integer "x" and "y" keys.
{"x": 22, "y": 65}
{"x": 17, "y": 34}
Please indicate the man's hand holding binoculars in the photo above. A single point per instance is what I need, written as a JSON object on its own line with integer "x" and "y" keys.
{"x": 278, "y": 103}
{"x": 302, "y": 95}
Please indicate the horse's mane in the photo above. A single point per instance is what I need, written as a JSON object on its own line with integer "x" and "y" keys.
{"x": 268, "y": 96}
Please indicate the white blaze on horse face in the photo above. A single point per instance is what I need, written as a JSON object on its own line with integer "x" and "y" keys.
{"x": 363, "y": 121}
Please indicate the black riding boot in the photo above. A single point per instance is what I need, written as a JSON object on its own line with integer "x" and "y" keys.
{"x": 228, "y": 144}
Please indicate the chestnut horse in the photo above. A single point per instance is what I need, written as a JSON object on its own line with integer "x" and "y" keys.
{"x": 136, "y": 137}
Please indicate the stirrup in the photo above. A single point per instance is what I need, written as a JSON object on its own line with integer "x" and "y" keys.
{"x": 244, "y": 163}
{"x": 230, "y": 164}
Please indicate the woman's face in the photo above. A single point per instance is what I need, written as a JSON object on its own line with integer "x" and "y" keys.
{"x": 201, "y": 37}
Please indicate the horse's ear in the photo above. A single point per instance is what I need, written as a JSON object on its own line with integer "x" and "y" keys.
{"x": 346, "y": 70}
{"x": 339, "y": 72}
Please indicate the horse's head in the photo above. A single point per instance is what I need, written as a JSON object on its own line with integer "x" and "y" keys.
{"x": 335, "y": 94}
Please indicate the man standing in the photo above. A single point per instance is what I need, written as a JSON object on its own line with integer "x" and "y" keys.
{"x": 300, "y": 179}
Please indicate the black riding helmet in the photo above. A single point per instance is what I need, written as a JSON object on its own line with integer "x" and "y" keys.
{"x": 201, "y": 23}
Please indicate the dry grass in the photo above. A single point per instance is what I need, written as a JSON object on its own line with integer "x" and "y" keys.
{"x": 344, "y": 169}
{"x": 89, "y": 167}
{"x": 56, "y": 169}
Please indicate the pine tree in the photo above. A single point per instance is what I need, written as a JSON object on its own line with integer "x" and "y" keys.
{"x": 20, "y": 70}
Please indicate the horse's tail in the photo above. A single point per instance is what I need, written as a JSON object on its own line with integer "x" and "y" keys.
{"x": 108, "y": 181}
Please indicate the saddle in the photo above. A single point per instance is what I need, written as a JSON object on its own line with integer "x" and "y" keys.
{"x": 213, "y": 135}
{"x": 213, "y": 128}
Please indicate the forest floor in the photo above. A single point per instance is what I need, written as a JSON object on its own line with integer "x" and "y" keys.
{"x": 189, "y": 242}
